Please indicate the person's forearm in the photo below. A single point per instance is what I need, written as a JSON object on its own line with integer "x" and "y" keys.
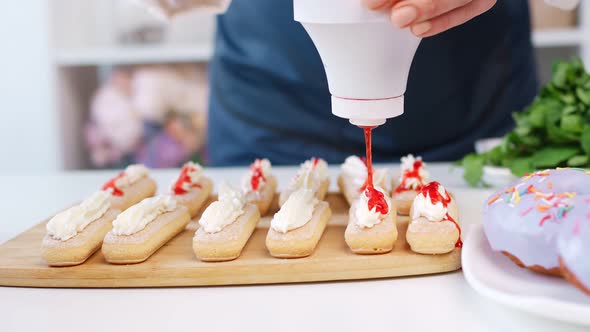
{"x": 430, "y": 17}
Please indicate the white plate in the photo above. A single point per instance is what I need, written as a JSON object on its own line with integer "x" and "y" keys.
{"x": 493, "y": 275}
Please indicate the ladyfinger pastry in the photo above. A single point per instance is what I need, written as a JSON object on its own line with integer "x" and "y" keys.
{"x": 372, "y": 224}
{"x": 434, "y": 227}
{"x": 260, "y": 185}
{"x": 412, "y": 178}
{"x": 298, "y": 226}
{"x": 142, "y": 229}
{"x": 313, "y": 175}
{"x": 353, "y": 177}
{"x": 192, "y": 189}
{"x": 75, "y": 234}
{"x": 226, "y": 226}
{"x": 130, "y": 187}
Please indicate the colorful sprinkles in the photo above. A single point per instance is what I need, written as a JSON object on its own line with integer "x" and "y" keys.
{"x": 553, "y": 206}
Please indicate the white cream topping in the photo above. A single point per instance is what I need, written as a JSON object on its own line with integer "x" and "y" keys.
{"x": 354, "y": 168}
{"x": 408, "y": 165}
{"x": 226, "y": 210}
{"x": 133, "y": 173}
{"x": 423, "y": 207}
{"x": 310, "y": 175}
{"x": 368, "y": 218}
{"x": 70, "y": 222}
{"x": 296, "y": 212}
{"x": 195, "y": 171}
{"x": 265, "y": 166}
{"x": 141, "y": 214}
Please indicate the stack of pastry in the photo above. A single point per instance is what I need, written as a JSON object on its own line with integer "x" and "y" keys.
{"x": 227, "y": 224}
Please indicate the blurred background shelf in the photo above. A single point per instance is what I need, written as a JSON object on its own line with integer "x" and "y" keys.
{"x": 558, "y": 37}
{"x": 127, "y": 55}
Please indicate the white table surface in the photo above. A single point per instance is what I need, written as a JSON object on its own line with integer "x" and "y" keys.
{"x": 428, "y": 303}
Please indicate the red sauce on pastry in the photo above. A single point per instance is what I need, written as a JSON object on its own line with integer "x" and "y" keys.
{"x": 431, "y": 190}
{"x": 413, "y": 173}
{"x": 183, "y": 178}
{"x": 459, "y": 243}
{"x": 111, "y": 185}
{"x": 257, "y": 174}
{"x": 376, "y": 198}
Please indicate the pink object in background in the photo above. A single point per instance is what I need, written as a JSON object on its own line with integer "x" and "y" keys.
{"x": 116, "y": 128}
{"x": 151, "y": 114}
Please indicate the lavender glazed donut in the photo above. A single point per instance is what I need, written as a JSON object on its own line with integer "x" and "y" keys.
{"x": 573, "y": 248}
{"x": 524, "y": 220}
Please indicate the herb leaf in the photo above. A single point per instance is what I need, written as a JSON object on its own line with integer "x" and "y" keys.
{"x": 473, "y": 169}
{"x": 553, "y": 155}
{"x": 553, "y": 131}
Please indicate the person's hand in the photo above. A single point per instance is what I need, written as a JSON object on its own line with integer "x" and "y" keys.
{"x": 430, "y": 17}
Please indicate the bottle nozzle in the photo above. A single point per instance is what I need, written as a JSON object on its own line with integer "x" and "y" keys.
{"x": 368, "y": 113}
{"x": 367, "y": 122}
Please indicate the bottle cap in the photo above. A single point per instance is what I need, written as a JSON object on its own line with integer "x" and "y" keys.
{"x": 368, "y": 112}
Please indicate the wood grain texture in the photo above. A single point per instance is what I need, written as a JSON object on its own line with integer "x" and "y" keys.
{"x": 176, "y": 265}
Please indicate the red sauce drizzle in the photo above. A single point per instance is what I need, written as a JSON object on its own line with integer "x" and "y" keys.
{"x": 376, "y": 198}
{"x": 111, "y": 185}
{"x": 257, "y": 174}
{"x": 413, "y": 173}
{"x": 459, "y": 243}
{"x": 184, "y": 178}
{"x": 315, "y": 161}
{"x": 435, "y": 197}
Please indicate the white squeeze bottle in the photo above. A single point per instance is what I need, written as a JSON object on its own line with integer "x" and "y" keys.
{"x": 367, "y": 60}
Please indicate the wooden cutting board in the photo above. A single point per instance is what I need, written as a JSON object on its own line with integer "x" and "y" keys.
{"x": 175, "y": 264}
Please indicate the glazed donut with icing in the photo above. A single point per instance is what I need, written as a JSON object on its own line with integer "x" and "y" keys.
{"x": 525, "y": 220}
{"x": 573, "y": 249}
